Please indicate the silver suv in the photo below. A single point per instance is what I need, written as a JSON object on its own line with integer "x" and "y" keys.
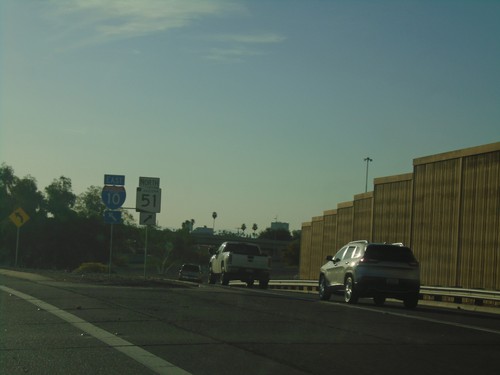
{"x": 377, "y": 270}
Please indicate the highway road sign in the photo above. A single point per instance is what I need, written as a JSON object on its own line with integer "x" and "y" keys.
{"x": 113, "y": 196}
{"x": 149, "y": 182}
{"x": 112, "y": 217}
{"x": 147, "y": 218}
{"x": 19, "y": 217}
{"x": 111, "y": 179}
{"x": 148, "y": 200}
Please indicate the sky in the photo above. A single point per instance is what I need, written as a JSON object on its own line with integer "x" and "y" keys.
{"x": 259, "y": 110}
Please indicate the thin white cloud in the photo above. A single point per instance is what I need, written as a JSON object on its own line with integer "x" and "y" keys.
{"x": 250, "y": 38}
{"x": 230, "y": 54}
{"x": 88, "y": 22}
{"x": 240, "y": 46}
{"x": 105, "y": 20}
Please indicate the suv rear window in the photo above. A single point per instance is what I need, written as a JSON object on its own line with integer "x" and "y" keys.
{"x": 242, "y": 248}
{"x": 389, "y": 253}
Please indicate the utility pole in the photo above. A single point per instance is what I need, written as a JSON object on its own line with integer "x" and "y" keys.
{"x": 368, "y": 160}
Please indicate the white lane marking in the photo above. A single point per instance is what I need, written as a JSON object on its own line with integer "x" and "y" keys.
{"x": 154, "y": 363}
{"x": 421, "y": 318}
{"x": 386, "y": 312}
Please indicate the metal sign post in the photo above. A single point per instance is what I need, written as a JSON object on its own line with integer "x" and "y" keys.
{"x": 17, "y": 246}
{"x": 148, "y": 203}
{"x": 19, "y": 217}
{"x": 110, "y": 251}
{"x": 113, "y": 196}
{"x": 145, "y": 252}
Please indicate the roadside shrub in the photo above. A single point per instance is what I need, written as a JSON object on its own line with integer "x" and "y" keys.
{"x": 91, "y": 268}
{"x": 120, "y": 260}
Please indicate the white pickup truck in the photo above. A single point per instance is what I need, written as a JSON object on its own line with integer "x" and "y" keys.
{"x": 239, "y": 261}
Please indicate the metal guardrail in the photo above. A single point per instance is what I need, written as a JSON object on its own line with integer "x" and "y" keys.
{"x": 475, "y": 297}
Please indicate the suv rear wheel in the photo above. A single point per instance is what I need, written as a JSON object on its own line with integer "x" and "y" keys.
{"x": 324, "y": 293}
{"x": 350, "y": 293}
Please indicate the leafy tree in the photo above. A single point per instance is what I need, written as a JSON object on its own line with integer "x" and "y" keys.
{"x": 25, "y": 194}
{"x": 276, "y": 234}
{"x": 89, "y": 204}
{"x": 291, "y": 255}
{"x": 188, "y": 225}
{"x": 60, "y": 198}
{"x": 7, "y": 230}
{"x": 15, "y": 192}
{"x": 18, "y": 193}
{"x": 7, "y": 176}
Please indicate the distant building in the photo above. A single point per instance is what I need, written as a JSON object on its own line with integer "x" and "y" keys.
{"x": 277, "y": 225}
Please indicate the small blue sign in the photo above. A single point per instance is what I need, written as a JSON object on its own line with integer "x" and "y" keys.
{"x": 113, "y": 197}
{"x": 112, "y": 217}
{"x": 112, "y": 179}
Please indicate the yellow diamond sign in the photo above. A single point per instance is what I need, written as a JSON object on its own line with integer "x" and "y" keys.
{"x": 19, "y": 217}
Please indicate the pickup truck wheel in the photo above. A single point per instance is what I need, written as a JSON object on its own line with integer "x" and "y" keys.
{"x": 263, "y": 284}
{"x": 379, "y": 300}
{"x": 411, "y": 301}
{"x": 212, "y": 278}
{"x": 223, "y": 278}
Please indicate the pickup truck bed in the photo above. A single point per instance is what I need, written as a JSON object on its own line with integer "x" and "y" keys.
{"x": 239, "y": 261}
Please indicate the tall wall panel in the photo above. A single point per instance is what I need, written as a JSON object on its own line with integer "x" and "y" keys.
{"x": 363, "y": 214}
{"x": 305, "y": 251}
{"x": 345, "y": 218}
{"x": 436, "y": 210}
{"x": 392, "y": 208}
{"x": 317, "y": 244}
{"x": 330, "y": 246}
{"x": 480, "y": 222}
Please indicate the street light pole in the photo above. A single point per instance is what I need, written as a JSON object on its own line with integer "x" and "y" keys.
{"x": 368, "y": 160}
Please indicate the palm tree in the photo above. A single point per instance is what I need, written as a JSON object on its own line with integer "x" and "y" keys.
{"x": 214, "y": 216}
{"x": 254, "y": 228}
{"x": 243, "y": 227}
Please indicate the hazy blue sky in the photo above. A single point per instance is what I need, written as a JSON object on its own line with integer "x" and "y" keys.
{"x": 254, "y": 109}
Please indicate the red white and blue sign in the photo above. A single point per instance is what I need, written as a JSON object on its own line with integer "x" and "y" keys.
{"x": 113, "y": 197}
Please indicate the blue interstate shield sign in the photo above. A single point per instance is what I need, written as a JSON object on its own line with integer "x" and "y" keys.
{"x": 113, "y": 197}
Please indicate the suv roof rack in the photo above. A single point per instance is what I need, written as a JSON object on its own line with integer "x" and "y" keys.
{"x": 359, "y": 241}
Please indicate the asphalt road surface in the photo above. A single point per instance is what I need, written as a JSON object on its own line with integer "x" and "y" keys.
{"x": 61, "y": 327}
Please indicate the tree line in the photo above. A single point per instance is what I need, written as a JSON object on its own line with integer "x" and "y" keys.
{"x": 65, "y": 230}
